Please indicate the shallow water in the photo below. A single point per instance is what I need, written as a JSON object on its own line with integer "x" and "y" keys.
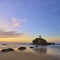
{"x": 53, "y": 50}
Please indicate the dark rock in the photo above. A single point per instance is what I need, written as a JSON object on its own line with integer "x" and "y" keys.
{"x": 22, "y": 48}
{"x": 51, "y": 43}
{"x": 4, "y": 50}
{"x": 4, "y": 44}
{"x": 31, "y": 47}
{"x": 36, "y": 45}
{"x": 39, "y": 41}
{"x": 10, "y": 49}
{"x": 7, "y": 50}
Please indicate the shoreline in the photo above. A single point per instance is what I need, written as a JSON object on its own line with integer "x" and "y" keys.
{"x": 25, "y": 56}
{"x": 36, "y": 53}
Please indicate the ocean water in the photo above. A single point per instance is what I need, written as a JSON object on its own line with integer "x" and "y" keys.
{"x": 53, "y": 50}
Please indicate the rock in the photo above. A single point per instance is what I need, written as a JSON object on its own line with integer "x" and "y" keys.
{"x": 31, "y": 47}
{"x": 4, "y": 44}
{"x": 10, "y": 49}
{"x": 22, "y": 48}
{"x": 39, "y": 41}
{"x": 4, "y": 50}
{"x": 7, "y": 50}
{"x": 36, "y": 45}
{"x": 51, "y": 43}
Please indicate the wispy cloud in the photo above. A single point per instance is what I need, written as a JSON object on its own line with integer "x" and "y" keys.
{"x": 11, "y": 24}
{"x": 10, "y": 34}
{"x": 15, "y": 22}
{"x": 18, "y": 22}
{"x": 4, "y": 26}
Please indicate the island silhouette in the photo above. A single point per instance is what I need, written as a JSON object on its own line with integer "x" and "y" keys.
{"x": 41, "y": 41}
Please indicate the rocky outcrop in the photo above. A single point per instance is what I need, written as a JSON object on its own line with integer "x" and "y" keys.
{"x": 51, "y": 43}
{"x": 22, "y": 48}
{"x": 4, "y": 44}
{"x": 41, "y": 41}
{"x": 31, "y": 47}
{"x": 7, "y": 50}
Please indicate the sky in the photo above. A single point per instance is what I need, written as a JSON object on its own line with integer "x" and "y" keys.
{"x": 24, "y": 20}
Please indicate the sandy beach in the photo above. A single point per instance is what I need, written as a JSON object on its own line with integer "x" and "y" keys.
{"x": 24, "y": 56}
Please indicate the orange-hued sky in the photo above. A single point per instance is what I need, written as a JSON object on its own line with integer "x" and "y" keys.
{"x": 53, "y": 39}
{"x": 22, "y": 38}
{"x": 28, "y": 39}
{"x": 15, "y": 39}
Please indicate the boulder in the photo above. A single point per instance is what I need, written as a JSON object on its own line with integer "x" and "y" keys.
{"x": 4, "y": 44}
{"x": 31, "y": 47}
{"x": 7, "y": 50}
{"x": 22, "y": 48}
{"x": 10, "y": 49}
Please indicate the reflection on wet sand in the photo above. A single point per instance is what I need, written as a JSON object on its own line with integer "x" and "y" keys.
{"x": 40, "y": 50}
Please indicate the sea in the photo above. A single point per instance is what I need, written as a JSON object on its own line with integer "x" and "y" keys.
{"x": 53, "y": 50}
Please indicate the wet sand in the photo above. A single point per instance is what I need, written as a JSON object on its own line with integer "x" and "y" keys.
{"x": 14, "y": 55}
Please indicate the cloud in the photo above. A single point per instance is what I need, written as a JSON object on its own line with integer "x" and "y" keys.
{"x": 15, "y": 22}
{"x": 3, "y": 26}
{"x": 9, "y": 34}
{"x": 18, "y": 22}
{"x": 11, "y": 24}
